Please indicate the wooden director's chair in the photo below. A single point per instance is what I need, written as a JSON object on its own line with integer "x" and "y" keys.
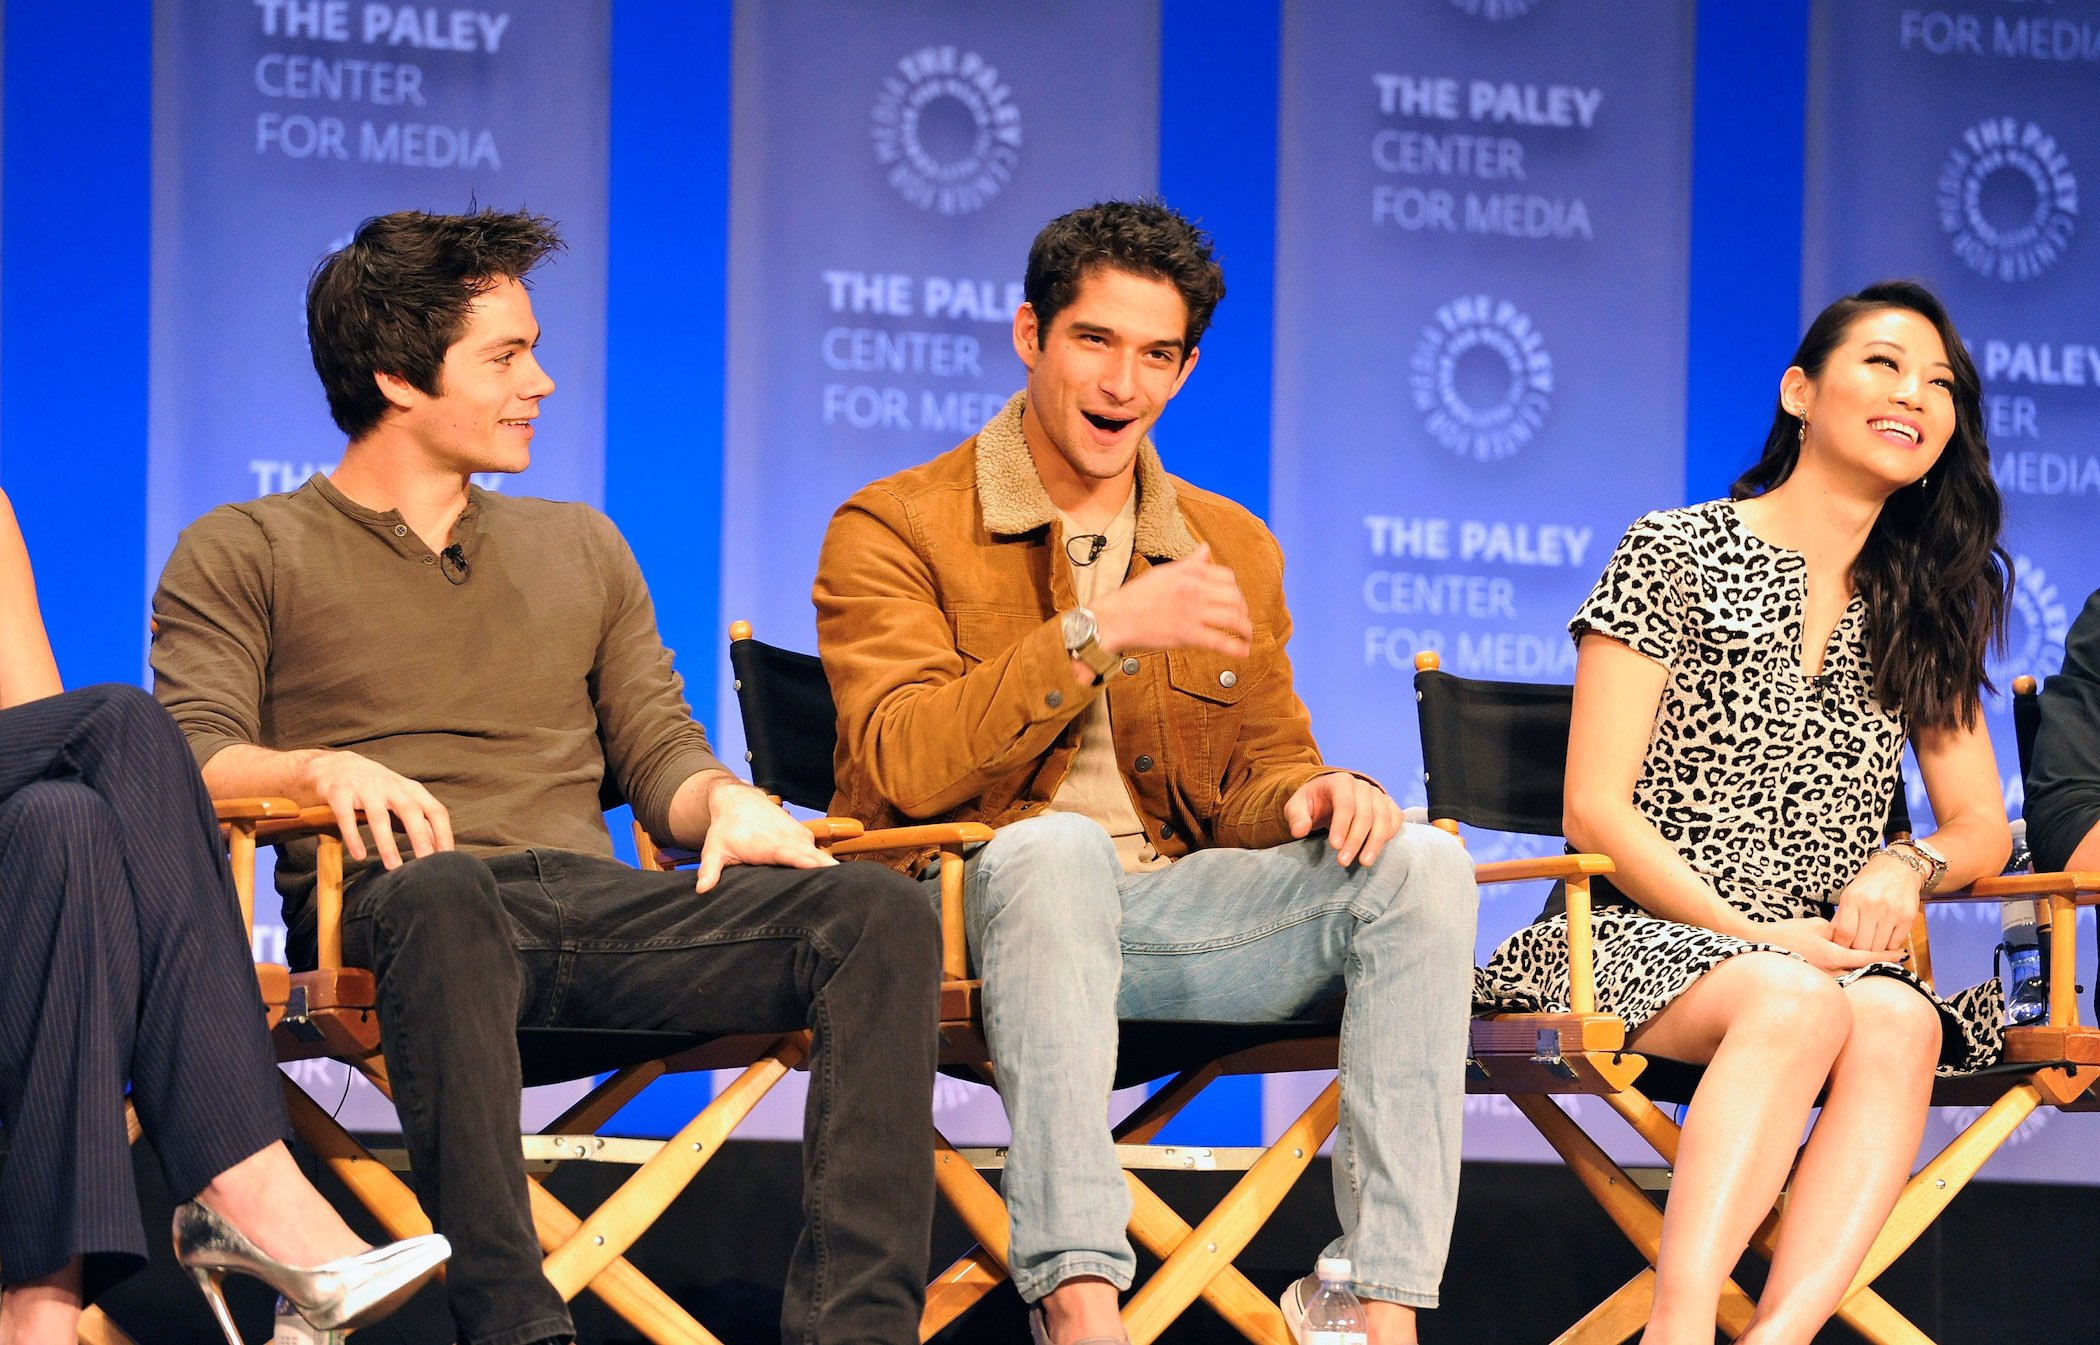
{"x": 330, "y": 1012}
{"x": 791, "y": 725}
{"x": 1495, "y": 757}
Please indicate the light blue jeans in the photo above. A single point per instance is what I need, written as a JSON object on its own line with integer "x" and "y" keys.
{"x": 1067, "y": 943}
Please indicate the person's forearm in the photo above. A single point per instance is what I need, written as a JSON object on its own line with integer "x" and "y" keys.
{"x": 1975, "y": 845}
{"x": 242, "y": 771}
{"x": 1648, "y": 869}
{"x": 693, "y": 806}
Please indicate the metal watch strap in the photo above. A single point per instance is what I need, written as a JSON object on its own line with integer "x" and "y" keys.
{"x": 1903, "y": 853}
{"x": 1936, "y": 861}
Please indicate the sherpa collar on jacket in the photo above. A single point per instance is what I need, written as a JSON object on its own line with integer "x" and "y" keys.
{"x": 1013, "y": 500}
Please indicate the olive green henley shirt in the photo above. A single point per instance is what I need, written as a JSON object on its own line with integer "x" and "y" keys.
{"x": 526, "y": 688}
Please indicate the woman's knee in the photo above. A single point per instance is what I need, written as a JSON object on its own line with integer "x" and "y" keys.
{"x": 1893, "y": 1019}
{"x": 1789, "y": 1002}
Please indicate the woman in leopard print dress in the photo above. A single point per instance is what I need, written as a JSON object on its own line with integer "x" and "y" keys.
{"x": 1747, "y": 674}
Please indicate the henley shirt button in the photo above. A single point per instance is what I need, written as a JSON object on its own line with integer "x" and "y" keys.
{"x": 1144, "y": 764}
{"x": 1130, "y": 667}
{"x": 1054, "y": 699}
{"x": 430, "y": 560}
{"x": 1228, "y": 679}
{"x": 400, "y": 530}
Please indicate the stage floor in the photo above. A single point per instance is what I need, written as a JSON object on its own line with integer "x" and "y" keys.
{"x": 1531, "y": 1254}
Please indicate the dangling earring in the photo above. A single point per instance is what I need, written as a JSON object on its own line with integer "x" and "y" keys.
{"x": 1801, "y": 433}
{"x": 1925, "y": 481}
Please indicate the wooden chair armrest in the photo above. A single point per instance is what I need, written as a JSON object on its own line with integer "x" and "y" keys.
{"x": 319, "y": 820}
{"x": 827, "y": 831}
{"x": 1548, "y": 866}
{"x": 911, "y": 838}
{"x": 2083, "y": 887}
{"x": 253, "y": 810}
{"x": 950, "y": 837}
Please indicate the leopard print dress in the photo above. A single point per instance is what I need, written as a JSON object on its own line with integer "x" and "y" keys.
{"x": 1772, "y": 784}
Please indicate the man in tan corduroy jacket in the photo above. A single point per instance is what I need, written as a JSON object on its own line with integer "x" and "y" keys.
{"x": 1044, "y": 631}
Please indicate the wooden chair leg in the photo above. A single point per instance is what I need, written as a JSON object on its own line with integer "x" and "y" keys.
{"x": 97, "y": 1329}
{"x": 1618, "y": 1318}
{"x": 623, "y": 1288}
{"x": 1870, "y": 1314}
{"x": 598, "y": 1106}
{"x": 1939, "y": 1181}
{"x": 1159, "y": 1230}
{"x": 1226, "y": 1230}
{"x": 375, "y": 1186}
{"x": 615, "y": 1225}
{"x": 981, "y": 1269}
{"x": 1149, "y": 1117}
{"x": 1621, "y": 1200}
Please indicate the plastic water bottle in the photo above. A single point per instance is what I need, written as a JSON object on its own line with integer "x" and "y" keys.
{"x": 2026, "y": 989}
{"x": 1335, "y": 1317}
{"x": 292, "y": 1329}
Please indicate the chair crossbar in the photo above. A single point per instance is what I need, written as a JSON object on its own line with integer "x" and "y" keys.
{"x": 1147, "y": 1158}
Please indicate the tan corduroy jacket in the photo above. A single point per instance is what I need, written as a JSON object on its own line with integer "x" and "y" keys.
{"x": 937, "y": 600}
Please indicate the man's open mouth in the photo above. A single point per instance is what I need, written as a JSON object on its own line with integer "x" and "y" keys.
{"x": 1106, "y": 424}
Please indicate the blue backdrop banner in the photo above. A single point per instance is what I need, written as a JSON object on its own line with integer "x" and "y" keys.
{"x": 1949, "y": 143}
{"x": 891, "y": 163}
{"x": 1480, "y": 345}
{"x": 281, "y": 124}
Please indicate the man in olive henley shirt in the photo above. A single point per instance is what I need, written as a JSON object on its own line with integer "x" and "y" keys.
{"x": 486, "y": 672}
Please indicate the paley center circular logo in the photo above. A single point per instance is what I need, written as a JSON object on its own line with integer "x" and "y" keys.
{"x": 1497, "y": 9}
{"x": 1482, "y": 378}
{"x": 946, "y": 130}
{"x": 2008, "y": 199}
{"x": 2034, "y": 638}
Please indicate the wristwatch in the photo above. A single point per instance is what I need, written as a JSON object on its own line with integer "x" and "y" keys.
{"x": 1924, "y": 859}
{"x": 1083, "y": 642}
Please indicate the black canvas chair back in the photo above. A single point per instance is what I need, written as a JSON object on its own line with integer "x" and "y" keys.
{"x": 790, "y": 723}
{"x": 2027, "y": 717}
{"x": 1495, "y": 754}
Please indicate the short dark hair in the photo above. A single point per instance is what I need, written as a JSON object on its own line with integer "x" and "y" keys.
{"x": 1146, "y": 238}
{"x": 395, "y": 298}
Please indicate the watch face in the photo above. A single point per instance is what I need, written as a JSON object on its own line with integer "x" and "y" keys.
{"x": 1931, "y": 852}
{"x": 1079, "y": 628}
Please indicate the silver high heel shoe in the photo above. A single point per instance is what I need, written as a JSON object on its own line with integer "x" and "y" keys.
{"x": 342, "y": 1294}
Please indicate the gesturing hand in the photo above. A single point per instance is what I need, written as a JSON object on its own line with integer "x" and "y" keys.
{"x": 1877, "y": 908}
{"x": 1191, "y": 603}
{"x": 746, "y": 827}
{"x": 1810, "y": 937}
{"x": 1359, "y": 816}
{"x": 348, "y": 783}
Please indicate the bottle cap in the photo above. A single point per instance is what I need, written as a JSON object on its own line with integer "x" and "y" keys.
{"x": 1334, "y": 1268}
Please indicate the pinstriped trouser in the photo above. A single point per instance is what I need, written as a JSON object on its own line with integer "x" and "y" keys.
{"x": 121, "y": 959}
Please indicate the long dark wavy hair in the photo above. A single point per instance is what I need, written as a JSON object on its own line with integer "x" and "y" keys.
{"x": 1936, "y": 580}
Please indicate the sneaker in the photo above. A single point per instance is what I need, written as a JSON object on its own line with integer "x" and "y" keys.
{"x": 1039, "y": 1331}
{"x": 1293, "y": 1300}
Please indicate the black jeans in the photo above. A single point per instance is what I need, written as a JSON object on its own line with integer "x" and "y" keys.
{"x": 124, "y": 959}
{"x": 466, "y": 950}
